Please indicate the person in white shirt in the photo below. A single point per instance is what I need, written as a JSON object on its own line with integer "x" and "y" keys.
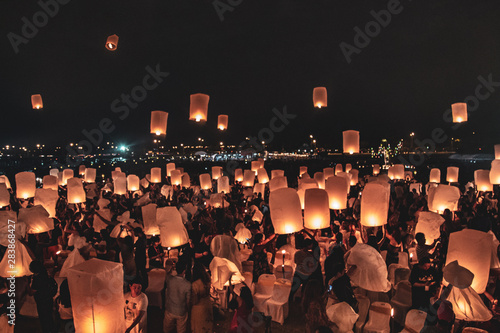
{"x": 136, "y": 307}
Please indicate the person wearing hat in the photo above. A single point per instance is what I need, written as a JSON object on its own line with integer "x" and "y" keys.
{"x": 423, "y": 281}
{"x": 136, "y": 307}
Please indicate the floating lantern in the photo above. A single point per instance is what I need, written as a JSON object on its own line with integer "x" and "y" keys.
{"x": 286, "y": 214}
{"x": 186, "y": 180}
{"x": 50, "y": 182}
{"x": 351, "y": 141}
{"x": 222, "y": 122}
{"x": 81, "y": 170}
{"x": 36, "y": 101}
{"x": 354, "y": 176}
{"x": 495, "y": 172}
{"x": 198, "y": 109}
{"x": 248, "y": 178}
{"x": 47, "y": 198}
{"x": 497, "y": 152}
{"x": 277, "y": 183}
{"x": 67, "y": 174}
{"x": 96, "y": 289}
{"x": 338, "y": 168}
{"x": 216, "y": 172}
{"x": 443, "y": 197}
{"x": 120, "y": 185}
{"x": 238, "y": 175}
{"x": 262, "y": 176}
{"x": 374, "y": 205}
{"x": 469, "y": 247}
{"x": 435, "y": 176}
{"x": 173, "y": 233}
{"x": 302, "y": 170}
{"x": 316, "y": 209}
{"x": 328, "y": 172}
{"x": 175, "y": 177}
{"x": 76, "y": 193}
{"x": 320, "y": 179}
{"x": 25, "y": 185}
{"x": 112, "y": 43}
{"x": 223, "y": 184}
{"x": 482, "y": 180}
{"x": 396, "y": 172}
{"x": 155, "y": 175}
{"x": 305, "y": 184}
{"x": 320, "y": 97}
{"x": 429, "y": 224}
{"x": 259, "y": 189}
{"x": 277, "y": 173}
{"x": 4, "y": 196}
{"x": 149, "y": 219}
{"x": 337, "y": 189}
{"x": 170, "y": 167}
{"x": 452, "y": 174}
{"x": 348, "y": 167}
{"x": 205, "y": 181}
{"x": 255, "y": 166}
{"x": 159, "y": 122}
{"x": 133, "y": 183}
{"x": 459, "y": 112}
{"x": 376, "y": 169}
{"x": 36, "y": 219}
{"x": 90, "y": 174}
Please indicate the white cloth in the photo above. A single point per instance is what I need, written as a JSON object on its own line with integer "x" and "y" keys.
{"x": 133, "y": 305}
{"x": 277, "y": 306}
{"x": 74, "y": 258}
{"x": 225, "y": 246}
{"x": 343, "y": 316}
{"x": 371, "y": 270}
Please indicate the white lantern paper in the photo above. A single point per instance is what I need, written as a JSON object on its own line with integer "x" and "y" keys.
{"x": 175, "y": 177}
{"x": 452, "y": 174}
{"x": 348, "y": 177}
{"x": 224, "y": 271}
{"x": 155, "y": 175}
{"x": 216, "y": 172}
{"x": 120, "y": 186}
{"x": 374, "y": 205}
{"x": 90, "y": 174}
{"x": 81, "y": 170}
{"x": 497, "y": 152}
{"x": 173, "y": 233}
{"x": 302, "y": 170}
{"x": 243, "y": 235}
{"x": 495, "y": 172}
{"x": 217, "y": 200}
{"x": 159, "y": 121}
{"x": 320, "y": 179}
{"x": 67, "y": 174}
{"x": 170, "y": 168}
{"x": 482, "y": 180}
{"x": 50, "y": 182}
{"x": 277, "y": 173}
{"x": 316, "y": 209}
{"x": 459, "y": 112}
{"x": 36, "y": 219}
{"x": 54, "y": 172}
{"x": 328, "y": 172}
{"x": 4, "y": 196}
{"x": 117, "y": 173}
{"x": 112, "y": 42}
{"x": 468, "y": 305}
{"x": 133, "y": 183}
{"x": 48, "y": 199}
{"x": 371, "y": 270}
{"x": 429, "y": 224}
{"x": 354, "y": 176}
{"x": 198, "y": 109}
{"x": 376, "y": 169}
{"x": 259, "y": 189}
{"x": 18, "y": 267}
{"x": 255, "y": 165}
{"x": 320, "y": 97}
{"x": 238, "y": 175}
{"x": 351, "y": 141}
{"x": 435, "y": 176}
{"x": 262, "y": 176}
{"x": 167, "y": 191}
{"x": 338, "y": 168}
{"x": 205, "y": 181}
{"x": 149, "y": 219}
{"x": 337, "y": 189}
{"x": 348, "y": 167}
{"x": 96, "y": 289}
{"x": 25, "y": 185}
{"x": 5, "y": 180}
{"x": 76, "y": 193}
{"x": 248, "y": 178}
{"x": 222, "y": 121}
{"x": 223, "y": 184}
{"x": 36, "y": 101}
{"x": 398, "y": 171}
{"x": 443, "y": 197}
{"x": 277, "y": 183}
{"x": 286, "y": 213}
{"x": 186, "y": 180}
{"x": 305, "y": 184}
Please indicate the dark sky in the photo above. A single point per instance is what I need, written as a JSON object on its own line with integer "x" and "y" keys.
{"x": 264, "y": 54}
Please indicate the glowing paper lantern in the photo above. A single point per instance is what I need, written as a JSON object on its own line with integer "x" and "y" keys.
{"x": 435, "y": 176}
{"x": 316, "y": 209}
{"x": 469, "y": 247}
{"x": 429, "y": 224}
{"x": 36, "y": 101}
{"x": 348, "y": 177}
{"x": 320, "y": 97}
{"x": 159, "y": 122}
{"x": 54, "y": 172}
{"x": 328, "y": 172}
{"x": 205, "y": 181}
{"x": 452, "y": 174}
{"x": 351, "y": 141}
{"x": 155, "y": 175}
{"x": 396, "y": 172}
{"x": 302, "y": 170}
{"x": 348, "y": 167}
{"x": 225, "y": 271}
{"x": 120, "y": 186}
{"x": 173, "y": 233}
{"x": 495, "y": 172}
{"x": 18, "y": 267}
{"x": 36, "y": 218}
{"x": 217, "y": 200}
{"x": 459, "y": 112}
{"x": 96, "y": 289}
{"x": 277, "y": 183}
{"x": 337, "y": 189}
{"x": 223, "y": 184}
{"x": 374, "y": 205}
{"x": 50, "y": 182}
{"x": 320, "y": 179}
{"x": 259, "y": 189}
{"x": 198, "y": 110}
{"x": 262, "y": 176}
{"x": 497, "y": 152}
{"x": 261, "y": 162}
{"x": 5, "y": 180}
{"x": 133, "y": 183}
{"x": 305, "y": 184}
{"x": 338, "y": 168}
{"x": 255, "y": 166}
{"x": 47, "y": 198}
{"x": 25, "y": 185}
{"x": 286, "y": 213}
{"x": 248, "y": 178}
{"x": 175, "y": 177}
{"x": 186, "y": 180}
{"x": 112, "y": 42}
{"x": 482, "y": 180}
{"x": 76, "y": 193}
{"x": 243, "y": 235}
{"x": 238, "y": 175}
{"x": 170, "y": 167}
{"x": 277, "y": 173}
{"x": 354, "y": 176}
{"x": 468, "y": 305}
{"x": 90, "y": 174}
{"x": 81, "y": 170}
{"x": 4, "y": 196}
{"x": 376, "y": 169}
{"x": 443, "y": 197}
{"x": 222, "y": 122}
{"x": 149, "y": 219}
{"x": 216, "y": 172}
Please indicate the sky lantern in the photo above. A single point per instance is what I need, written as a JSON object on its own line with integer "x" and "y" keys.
{"x": 25, "y": 185}
{"x": 497, "y": 152}
{"x": 175, "y": 177}
{"x": 348, "y": 177}
{"x": 36, "y": 219}
{"x": 50, "y": 182}
{"x": 429, "y": 224}
{"x": 376, "y": 169}
{"x": 261, "y": 162}
{"x": 320, "y": 179}
{"x": 302, "y": 170}
{"x": 47, "y": 198}
{"x": 238, "y": 175}
{"x": 495, "y": 172}
{"x": 205, "y": 181}
{"x": 222, "y": 122}
{"x": 36, "y": 101}
{"x": 112, "y": 42}
{"x": 149, "y": 219}
{"x": 328, "y": 172}
{"x": 435, "y": 175}
{"x": 117, "y": 173}
{"x": 482, "y": 180}
{"x": 76, "y": 193}
{"x": 133, "y": 183}
{"x": 170, "y": 167}
{"x": 286, "y": 213}
{"x": 316, "y": 209}
{"x": 348, "y": 167}
{"x": 173, "y": 233}
{"x": 443, "y": 197}
{"x": 5, "y": 180}
{"x": 54, "y": 172}
{"x": 96, "y": 289}
{"x": 67, "y": 174}
{"x": 186, "y": 180}
{"x": 452, "y": 174}
{"x": 262, "y": 176}
{"x": 120, "y": 185}
{"x": 159, "y": 122}
{"x": 223, "y": 184}
{"x": 259, "y": 188}
{"x": 459, "y": 112}
{"x": 351, "y": 141}
{"x": 248, "y": 178}
{"x": 354, "y": 176}
{"x": 320, "y": 97}
{"x": 337, "y": 189}
{"x": 198, "y": 109}
{"x": 19, "y": 267}
{"x": 4, "y": 196}
{"x": 374, "y": 205}
{"x": 396, "y": 172}
{"x": 305, "y": 184}
{"x": 90, "y": 174}
{"x": 277, "y": 173}
{"x": 155, "y": 175}
{"x": 338, "y": 168}
{"x": 81, "y": 170}
{"x": 216, "y": 172}
{"x": 277, "y": 183}
{"x": 255, "y": 166}
{"x": 469, "y": 247}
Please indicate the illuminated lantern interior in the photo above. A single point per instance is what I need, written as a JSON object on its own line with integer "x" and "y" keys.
{"x": 50, "y": 182}
{"x": 81, "y": 170}
{"x": 255, "y": 166}
{"x": 120, "y": 185}
{"x": 320, "y": 97}
{"x": 54, "y": 172}
{"x": 149, "y": 219}
{"x": 262, "y": 176}
{"x": 328, "y": 172}
{"x": 337, "y": 189}
{"x": 286, "y": 213}
{"x": 316, "y": 209}
{"x": 302, "y": 170}
{"x": 170, "y": 167}
{"x": 305, "y": 184}
{"x": 112, "y": 42}
{"x": 497, "y": 152}
{"x": 348, "y": 177}
{"x": 435, "y": 176}
{"x": 443, "y": 197}
{"x": 36, "y": 219}
{"x": 159, "y": 122}
{"x": 482, "y": 180}
{"x": 348, "y": 167}
{"x": 175, "y": 177}
{"x": 351, "y": 141}
{"x": 90, "y": 174}
{"x": 47, "y": 198}
{"x": 76, "y": 193}
{"x": 374, "y": 205}
{"x": 459, "y": 112}
{"x": 173, "y": 233}
{"x": 67, "y": 174}
{"x": 186, "y": 180}
{"x": 238, "y": 175}
{"x": 20, "y": 266}
{"x": 277, "y": 173}
{"x": 205, "y": 181}
{"x": 338, "y": 168}
{"x": 277, "y": 183}
{"x": 198, "y": 109}
{"x": 223, "y": 184}
{"x": 376, "y": 169}
{"x": 248, "y": 178}
{"x": 25, "y": 185}
{"x": 216, "y": 172}
{"x": 452, "y": 174}
{"x": 354, "y": 176}
{"x": 320, "y": 179}
{"x": 133, "y": 183}
{"x": 222, "y": 121}
{"x": 36, "y": 102}
{"x": 155, "y": 175}
{"x": 259, "y": 189}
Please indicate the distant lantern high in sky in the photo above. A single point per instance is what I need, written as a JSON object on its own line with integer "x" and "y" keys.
{"x": 351, "y": 141}
{"x": 36, "y": 101}
{"x": 198, "y": 109}
{"x": 459, "y": 112}
{"x": 222, "y": 122}
{"x": 320, "y": 97}
{"x": 112, "y": 43}
{"x": 159, "y": 122}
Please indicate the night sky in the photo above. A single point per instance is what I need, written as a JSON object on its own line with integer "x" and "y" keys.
{"x": 263, "y": 55}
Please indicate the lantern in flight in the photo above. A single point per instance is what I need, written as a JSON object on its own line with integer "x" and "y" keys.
{"x": 216, "y": 172}
{"x": 222, "y": 122}
{"x": 238, "y": 175}
{"x": 452, "y": 174}
{"x": 374, "y": 204}
{"x": 320, "y": 97}
{"x": 376, "y": 169}
{"x": 443, "y": 197}
{"x": 76, "y": 193}
{"x": 459, "y": 112}
{"x": 248, "y": 178}
{"x": 262, "y": 176}
{"x": 156, "y": 175}
{"x": 133, "y": 183}
{"x": 159, "y": 122}
{"x": 223, "y": 184}
{"x": 170, "y": 167}
{"x": 198, "y": 109}
{"x": 351, "y": 142}
{"x": 354, "y": 176}
{"x": 435, "y": 176}
{"x": 175, "y": 177}
{"x": 36, "y": 101}
{"x": 482, "y": 180}
{"x": 205, "y": 181}
{"x": 316, "y": 209}
{"x": 286, "y": 214}
{"x": 173, "y": 233}
{"x": 337, "y": 189}
{"x": 112, "y": 43}
{"x": 25, "y": 185}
